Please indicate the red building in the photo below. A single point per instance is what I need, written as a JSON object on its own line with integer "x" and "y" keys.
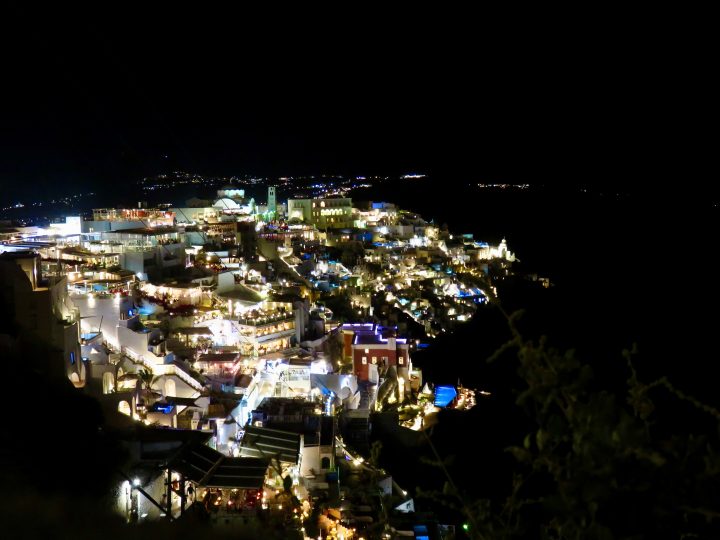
{"x": 374, "y": 349}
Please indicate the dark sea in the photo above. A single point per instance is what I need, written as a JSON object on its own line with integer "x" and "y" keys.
{"x": 626, "y": 268}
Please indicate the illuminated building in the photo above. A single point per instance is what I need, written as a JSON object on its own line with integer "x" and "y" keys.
{"x": 316, "y": 431}
{"x": 272, "y": 201}
{"x": 43, "y": 311}
{"x": 484, "y": 251}
{"x": 259, "y": 335}
{"x": 231, "y": 192}
{"x": 332, "y": 213}
{"x": 193, "y": 215}
{"x": 373, "y": 349}
{"x": 230, "y": 206}
{"x": 114, "y": 320}
{"x": 115, "y": 219}
{"x": 148, "y": 250}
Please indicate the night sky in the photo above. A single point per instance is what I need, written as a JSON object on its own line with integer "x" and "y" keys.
{"x": 113, "y": 96}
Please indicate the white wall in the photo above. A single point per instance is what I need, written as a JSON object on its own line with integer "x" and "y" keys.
{"x": 93, "y": 309}
{"x": 225, "y": 282}
{"x": 182, "y": 389}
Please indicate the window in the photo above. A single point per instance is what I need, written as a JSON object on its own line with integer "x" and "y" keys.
{"x": 367, "y": 351}
{"x": 325, "y": 463}
{"x": 72, "y": 358}
{"x": 364, "y": 360}
{"x": 400, "y": 360}
{"x": 385, "y": 359}
{"x": 374, "y": 359}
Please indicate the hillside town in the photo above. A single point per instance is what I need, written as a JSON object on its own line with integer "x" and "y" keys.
{"x": 240, "y": 351}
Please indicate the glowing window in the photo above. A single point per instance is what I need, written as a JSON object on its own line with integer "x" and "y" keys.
{"x": 400, "y": 360}
{"x": 364, "y": 360}
{"x": 374, "y": 359}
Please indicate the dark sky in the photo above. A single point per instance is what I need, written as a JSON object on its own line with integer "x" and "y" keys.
{"x": 94, "y": 96}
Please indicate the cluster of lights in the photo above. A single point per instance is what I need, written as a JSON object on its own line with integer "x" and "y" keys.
{"x": 67, "y": 200}
{"x": 179, "y": 178}
{"x": 504, "y": 186}
{"x": 408, "y": 275}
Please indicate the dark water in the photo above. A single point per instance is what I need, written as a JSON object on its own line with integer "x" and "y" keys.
{"x": 633, "y": 268}
{"x": 636, "y": 269}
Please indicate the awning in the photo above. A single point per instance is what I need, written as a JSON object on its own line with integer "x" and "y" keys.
{"x": 207, "y": 467}
{"x": 261, "y": 442}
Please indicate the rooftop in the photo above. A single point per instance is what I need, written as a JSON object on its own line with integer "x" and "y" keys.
{"x": 146, "y": 231}
{"x": 283, "y": 406}
{"x": 241, "y": 293}
{"x": 209, "y": 468}
{"x": 194, "y": 331}
{"x": 369, "y": 334}
{"x": 261, "y": 442}
{"x": 220, "y": 357}
{"x": 12, "y": 255}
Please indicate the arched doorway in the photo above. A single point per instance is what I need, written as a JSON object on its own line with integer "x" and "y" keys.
{"x": 170, "y": 389}
{"x": 108, "y": 382}
{"x": 124, "y": 407}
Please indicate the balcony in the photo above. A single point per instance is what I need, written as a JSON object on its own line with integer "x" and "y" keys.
{"x": 266, "y": 319}
{"x": 263, "y": 338}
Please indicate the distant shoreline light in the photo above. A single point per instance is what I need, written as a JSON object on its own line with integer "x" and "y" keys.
{"x": 504, "y": 186}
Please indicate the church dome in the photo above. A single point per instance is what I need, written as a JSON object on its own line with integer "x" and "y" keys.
{"x": 226, "y": 204}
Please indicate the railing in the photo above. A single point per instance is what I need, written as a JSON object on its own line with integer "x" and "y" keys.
{"x": 139, "y": 249}
{"x": 139, "y": 359}
{"x": 262, "y": 338}
{"x": 263, "y": 321}
{"x": 173, "y": 369}
{"x": 163, "y": 369}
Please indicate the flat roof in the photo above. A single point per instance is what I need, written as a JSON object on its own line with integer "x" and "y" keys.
{"x": 207, "y": 467}
{"x": 194, "y": 331}
{"x": 262, "y": 442}
{"x": 368, "y": 339}
{"x": 219, "y": 357}
{"x": 243, "y": 380}
{"x": 186, "y": 402}
{"x": 242, "y": 294}
{"x": 140, "y": 432}
{"x": 147, "y": 231}
{"x": 18, "y": 254}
